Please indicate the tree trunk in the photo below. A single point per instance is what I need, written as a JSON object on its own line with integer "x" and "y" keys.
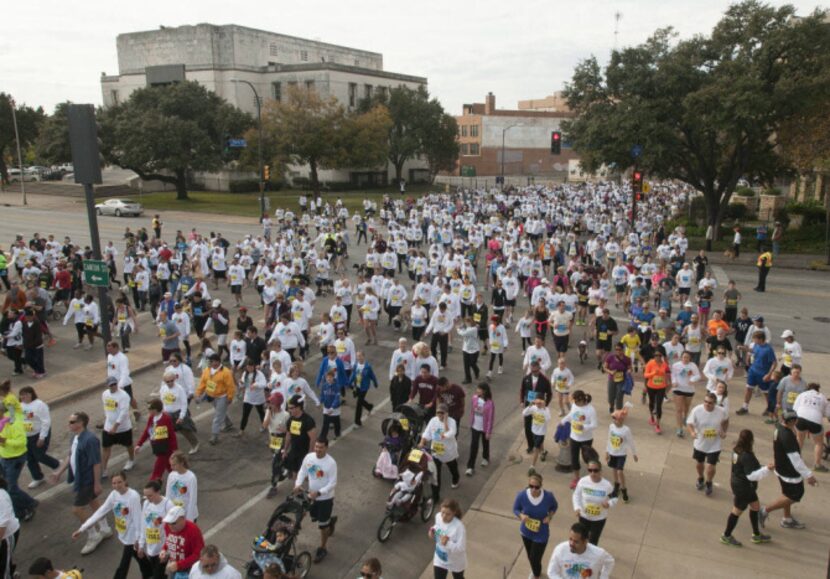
{"x": 181, "y": 185}
{"x": 315, "y": 183}
{"x": 398, "y": 170}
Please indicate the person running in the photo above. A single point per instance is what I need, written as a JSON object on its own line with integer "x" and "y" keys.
{"x": 746, "y": 472}
{"x": 684, "y": 374}
{"x": 606, "y": 329}
{"x": 534, "y": 385}
{"x": 125, "y": 505}
{"x": 760, "y": 370}
{"x": 658, "y": 380}
{"x": 37, "y": 423}
{"x": 562, "y": 379}
{"x": 790, "y": 470}
{"x": 620, "y": 443}
{"x": 320, "y": 469}
{"x": 482, "y": 418}
{"x": 253, "y": 384}
{"x": 362, "y": 378}
{"x": 450, "y": 538}
{"x": 497, "y": 344}
{"x": 592, "y": 498}
{"x": 535, "y": 509}
{"x": 812, "y": 408}
{"x": 583, "y": 421}
{"x": 540, "y": 417}
{"x": 576, "y": 557}
{"x": 118, "y": 426}
{"x": 618, "y": 368}
{"x": 707, "y": 424}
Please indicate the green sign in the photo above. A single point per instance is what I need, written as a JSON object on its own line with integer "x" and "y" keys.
{"x": 96, "y": 273}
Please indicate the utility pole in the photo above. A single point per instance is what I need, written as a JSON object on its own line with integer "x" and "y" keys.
{"x": 259, "y": 145}
{"x": 19, "y": 156}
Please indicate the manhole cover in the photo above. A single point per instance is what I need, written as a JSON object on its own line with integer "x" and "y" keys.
{"x": 822, "y": 319}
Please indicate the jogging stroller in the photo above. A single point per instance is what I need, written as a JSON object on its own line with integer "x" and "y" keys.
{"x": 394, "y": 447}
{"x": 408, "y": 497}
{"x": 278, "y": 543}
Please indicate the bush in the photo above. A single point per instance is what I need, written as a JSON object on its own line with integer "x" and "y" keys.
{"x": 736, "y": 212}
{"x": 771, "y": 192}
{"x": 813, "y": 211}
{"x": 252, "y": 186}
{"x": 745, "y": 192}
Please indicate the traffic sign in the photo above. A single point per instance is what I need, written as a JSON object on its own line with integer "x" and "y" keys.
{"x": 96, "y": 273}
{"x": 636, "y": 151}
{"x": 237, "y": 143}
{"x": 646, "y": 187}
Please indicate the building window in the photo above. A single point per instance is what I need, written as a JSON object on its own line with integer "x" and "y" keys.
{"x": 382, "y": 92}
{"x": 292, "y": 84}
{"x": 304, "y": 55}
{"x": 114, "y": 96}
{"x": 465, "y": 149}
{"x": 276, "y": 91}
{"x": 367, "y": 91}
{"x": 356, "y": 62}
{"x": 274, "y": 51}
{"x": 463, "y": 130}
{"x": 474, "y": 149}
{"x": 473, "y": 130}
{"x": 352, "y": 94}
{"x": 309, "y": 85}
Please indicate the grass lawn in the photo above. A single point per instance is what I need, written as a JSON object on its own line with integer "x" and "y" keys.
{"x": 247, "y": 204}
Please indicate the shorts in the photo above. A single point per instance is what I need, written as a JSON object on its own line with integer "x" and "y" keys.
{"x": 681, "y": 393}
{"x": 803, "y": 424}
{"x": 561, "y": 343}
{"x": 620, "y": 288}
{"x": 118, "y": 439}
{"x": 61, "y": 295}
{"x": 708, "y": 457}
{"x": 617, "y": 462}
{"x": 83, "y": 496}
{"x": 129, "y": 390}
{"x": 91, "y": 330}
{"x": 684, "y": 291}
{"x": 604, "y": 345}
{"x": 320, "y": 512}
{"x": 219, "y": 274}
{"x": 793, "y": 491}
{"x": 538, "y": 440}
{"x": 754, "y": 378}
{"x": 222, "y": 339}
{"x": 510, "y": 303}
{"x": 730, "y": 315}
{"x": 743, "y": 500}
{"x": 292, "y": 462}
{"x": 236, "y": 289}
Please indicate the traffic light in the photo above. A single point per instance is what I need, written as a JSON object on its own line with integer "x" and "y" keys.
{"x": 556, "y": 143}
{"x": 266, "y": 173}
{"x": 637, "y": 183}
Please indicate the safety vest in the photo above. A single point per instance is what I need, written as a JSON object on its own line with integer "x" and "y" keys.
{"x": 765, "y": 256}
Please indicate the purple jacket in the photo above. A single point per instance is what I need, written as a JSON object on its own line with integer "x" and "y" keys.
{"x": 488, "y": 414}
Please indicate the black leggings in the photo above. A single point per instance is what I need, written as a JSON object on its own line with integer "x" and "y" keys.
{"x": 246, "y": 411}
{"x": 485, "y": 447}
{"x": 360, "y": 404}
{"x": 655, "y": 401}
{"x": 443, "y": 573}
{"x": 535, "y": 552}
{"x": 276, "y": 467}
{"x": 594, "y": 529}
{"x": 576, "y": 448}
{"x": 493, "y": 359}
{"x": 453, "y": 466}
{"x": 470, "y": 365}
{"x": 127, "y": 555}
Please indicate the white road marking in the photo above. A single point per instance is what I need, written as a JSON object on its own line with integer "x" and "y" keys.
{"x": 720, "y": 275}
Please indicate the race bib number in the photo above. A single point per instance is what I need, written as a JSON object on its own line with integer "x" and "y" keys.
{"x": 121, "y": 524}
{"x": 160, "y": 433}
{"x": 77, "y": 307}
{"x": 791, "y": 396}
{"x": 415, "y": 455}
{"x": 296, "y": 428}
{"x": 122, "y": 318}
{"x": 661, "y": 334}
{"x": 404, "y": 423}
{"x": 531, "y": 396}
{"x": 593, "y": 510}
{"x": 298, "y": 315}
{"x": 211, "y": 387}
{"x": 276, "y": 442}
{"x": 561, "y": 385}
{"x": 616, "y": 441}
{"x": 162, "y": 332}
{"x": 153, "y": 535}
{"x": 619, "y": 376}
{"x": 495, "y": 345}
{"x": 110, "y": 405}
{"x": 28, "y": 426}
{"x": 438, "y": 447}
{"x": 341, "y": 348}
{"x": 169, "y": 398}
{"x": 89, "y": 323}
{"x": 602, "y": 336}
{"x": 538, "y": 419}
{"x": 533, "y": 525}
{"x": 658, "y": 380}
{"x": 788, "y": 360}
{"x": 710, "y": 433}
{"x": 694, "y": 340}
{"x": 577, "y": 427}
{"x": 476, "y": 318}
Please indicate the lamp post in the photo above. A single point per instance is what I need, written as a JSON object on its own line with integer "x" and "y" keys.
{"x": 259, "y": 144}
{"x": 19, "y": 156}
{"x": 503, "y": 133}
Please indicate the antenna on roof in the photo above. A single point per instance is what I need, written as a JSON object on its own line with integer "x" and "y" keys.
{"x": 617, "y": 18}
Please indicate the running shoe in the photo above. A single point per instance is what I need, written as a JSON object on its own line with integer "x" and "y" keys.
{"x": 272, "y": 492}
{"x": 624, "y": 493}
{"x": 484, "y": 462}
{"x": 469, "y": 472}
{"x": 544, "y": 456}
{"x": 699, "y": 484}
{"x": 792, "y": 523}
{"x": 742, "y": 411}
{"x": 651, "y": 420}
{"x": 92, "y": 542}
{"x": 320, "y": 554}
{"x": 731, "y": 541}
{"x": 657, "y": 429}
{"x": 709, "y": 489}
{"x": 761, "y": 538}
{"x": 194, "y": 450}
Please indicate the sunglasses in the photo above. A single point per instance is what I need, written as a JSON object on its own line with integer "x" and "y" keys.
{"x": 593, "y": 470}
{"x": 534, "y": 487}
{"x": 73, "y": 422}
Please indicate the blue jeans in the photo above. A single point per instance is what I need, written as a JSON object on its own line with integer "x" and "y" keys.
{"x": 12, "y": 467}
{"x": 35, "y": 456}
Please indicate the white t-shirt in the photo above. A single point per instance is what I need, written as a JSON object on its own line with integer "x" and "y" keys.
{"x": 442, "y": 440}
{"x": 321, "y": 474}
{"x": 588, "y": 498}
{"x": 7, "y": 519}
{"x": 453, "y": 555}
{"x": 183, "y": 491}
{"x": 562, "y": 380}
{"x": 539, "y": 420}
{"x": 595, "y": 562}
{"x": 707, "y": 425}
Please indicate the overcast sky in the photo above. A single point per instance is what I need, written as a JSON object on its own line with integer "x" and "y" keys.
{"x": 54, "y": 50}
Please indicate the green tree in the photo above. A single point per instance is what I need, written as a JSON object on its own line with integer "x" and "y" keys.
{"x": 440, "y": 142}
{"x": 164, "y": 132}
{"x": 52, "y": 143}
{"x": 705, "y": 110}
{"x": 28, "y": 123}
{"x": 305, "y": 129}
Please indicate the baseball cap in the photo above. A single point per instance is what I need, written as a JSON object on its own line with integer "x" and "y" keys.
{"x": 173, "y": 515}
{"x": 276, "y": 398}
{"x": 787, "y": 334}
{"x": 111, "y": 380}
{"x": 688, "y": 305}
{"x": 243, "y": 309}
{"x": 758, "y": 319}
{"x": 217, "y": 302}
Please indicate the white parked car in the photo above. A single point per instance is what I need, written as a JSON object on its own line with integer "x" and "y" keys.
{"x": 28, "y": 175}
{"x": 119, "y": 207}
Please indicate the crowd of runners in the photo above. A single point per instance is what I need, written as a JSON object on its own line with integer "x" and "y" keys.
{"x": 535, "y": 279}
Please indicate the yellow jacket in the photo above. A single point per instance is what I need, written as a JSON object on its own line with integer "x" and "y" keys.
{"x": 218, "y": 385}
{"x": 765, "y": 256}
{"x": 14, "y": 440}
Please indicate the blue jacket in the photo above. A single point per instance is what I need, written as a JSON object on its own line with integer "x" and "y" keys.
{"x": 340, "y": 379}
{"x": 367, "y": 378}
{"x": 330, "y": 395}
{"x": 522, "y": 505}
{"x": 87, "y": 455}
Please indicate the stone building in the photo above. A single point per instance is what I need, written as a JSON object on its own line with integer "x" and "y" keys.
{"x": 215, "y": 55}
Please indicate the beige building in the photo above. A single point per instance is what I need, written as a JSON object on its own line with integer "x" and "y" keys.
{"x": 215, "y": 55}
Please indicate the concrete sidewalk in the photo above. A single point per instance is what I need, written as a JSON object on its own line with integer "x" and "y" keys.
{"x": 668, "y": 528}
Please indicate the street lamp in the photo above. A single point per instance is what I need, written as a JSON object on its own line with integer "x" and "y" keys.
{"x": 259, "y": 144}
{"x": 19, "y": 156}
{"x": 503, "y": 133}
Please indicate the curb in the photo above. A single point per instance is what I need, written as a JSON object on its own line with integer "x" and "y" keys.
{"x": 80, "y": 392}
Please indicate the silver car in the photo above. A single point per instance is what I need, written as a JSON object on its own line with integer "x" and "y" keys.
{"x": 119, "y": 207}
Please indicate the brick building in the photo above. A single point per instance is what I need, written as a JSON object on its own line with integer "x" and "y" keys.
{"x": 524, "y": 134}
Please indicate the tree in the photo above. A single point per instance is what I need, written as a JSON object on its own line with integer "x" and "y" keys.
{"x": 28, "y": 121}
{"x": 164, "y": 132}
{"x": 305, "y": 129}
{"x": 420, "y": 127}
{"x": 706, "y": 111}
{"x": 52, "y": 143}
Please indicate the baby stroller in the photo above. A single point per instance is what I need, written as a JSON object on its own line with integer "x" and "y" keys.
{"x": 414, "y": 417}
{"x": 395, "y": 445}
{"x": 408, "y": 496}
{"x": 278, "y": 543}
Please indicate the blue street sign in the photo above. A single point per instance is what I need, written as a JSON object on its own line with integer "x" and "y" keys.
{"x": 237, "y": 143}
{"x": 636, "y": 151}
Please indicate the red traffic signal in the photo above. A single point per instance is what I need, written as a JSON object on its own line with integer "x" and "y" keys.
{"x": 556, "y": 142}
{"x": 637, "y": 182}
